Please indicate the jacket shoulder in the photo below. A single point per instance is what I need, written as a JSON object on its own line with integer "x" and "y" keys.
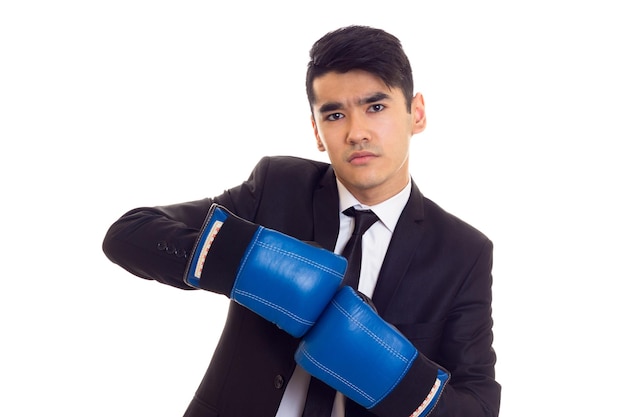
{"x": 292, "y": 165}
{"x": 452, "y": 227}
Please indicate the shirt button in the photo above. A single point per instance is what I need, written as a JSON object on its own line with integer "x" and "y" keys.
{"x": 162, "y": 245}
{"x": 279, "y": 381}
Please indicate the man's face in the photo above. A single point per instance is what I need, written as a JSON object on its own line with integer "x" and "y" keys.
{"x": 366, "y": 129}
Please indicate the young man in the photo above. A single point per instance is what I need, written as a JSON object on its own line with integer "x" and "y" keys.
{"x": 415, "y": 340}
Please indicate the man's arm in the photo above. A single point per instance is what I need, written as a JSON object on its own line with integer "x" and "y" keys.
{"x": 466, "y": 347}
{"x": 155, "y": 242}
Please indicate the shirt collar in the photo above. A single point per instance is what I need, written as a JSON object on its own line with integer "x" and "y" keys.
{"x": 388, "y": 211}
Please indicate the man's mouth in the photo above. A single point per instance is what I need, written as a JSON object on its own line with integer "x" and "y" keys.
{"x": 361, "y": 157}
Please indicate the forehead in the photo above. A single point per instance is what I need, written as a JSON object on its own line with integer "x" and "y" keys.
{"x": 350, "y": 87}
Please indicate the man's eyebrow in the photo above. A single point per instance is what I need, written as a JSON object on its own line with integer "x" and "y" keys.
{"x": 334, "y": 106}
{"x": 380, "y": 96}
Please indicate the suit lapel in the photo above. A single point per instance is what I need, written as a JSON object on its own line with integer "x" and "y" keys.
{"x": 402, "y": 247}
{"x": 326, "y": 211}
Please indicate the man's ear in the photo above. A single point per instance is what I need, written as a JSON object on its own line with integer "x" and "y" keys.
{"x": 419, "y": 112}
{"x": 320, "y": 144}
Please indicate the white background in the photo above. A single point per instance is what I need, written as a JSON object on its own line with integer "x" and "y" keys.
{"x": 110, "y": 105}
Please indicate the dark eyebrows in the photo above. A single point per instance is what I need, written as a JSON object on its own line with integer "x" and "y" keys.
{"x": 334, "y": 106}
{"x": 374, "y": 98}
{"x": 330, "y": 107}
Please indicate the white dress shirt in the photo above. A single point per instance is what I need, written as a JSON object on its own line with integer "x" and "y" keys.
{"x": 374, "y": 247}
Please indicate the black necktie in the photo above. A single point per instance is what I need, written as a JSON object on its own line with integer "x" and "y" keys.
{"x": 363, "y": 220}
{"x": 320, "y": 397}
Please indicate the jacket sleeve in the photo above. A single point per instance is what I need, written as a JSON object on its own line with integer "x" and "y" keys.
{"x": 155, "y": 243}
{"x": 466, "y": 347}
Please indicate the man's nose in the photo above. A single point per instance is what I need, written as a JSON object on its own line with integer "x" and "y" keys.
{"x": 358, "y": 129}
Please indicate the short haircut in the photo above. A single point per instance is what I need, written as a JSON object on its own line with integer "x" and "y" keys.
{"x": 361, "y": 48}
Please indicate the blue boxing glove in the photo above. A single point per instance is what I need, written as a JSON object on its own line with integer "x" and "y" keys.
{"x": 284, "y": 280}
{"x": 352, "y": 349}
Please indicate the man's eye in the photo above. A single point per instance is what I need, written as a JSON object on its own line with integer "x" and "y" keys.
{"x": 334, "y": 116}
{"x": 377, "y": 107}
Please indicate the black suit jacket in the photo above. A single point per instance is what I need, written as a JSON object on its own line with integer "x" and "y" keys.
{"x": 434, "y": 286}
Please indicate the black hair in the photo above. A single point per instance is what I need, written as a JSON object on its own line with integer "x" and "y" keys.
{"x": 361, "y": 48}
